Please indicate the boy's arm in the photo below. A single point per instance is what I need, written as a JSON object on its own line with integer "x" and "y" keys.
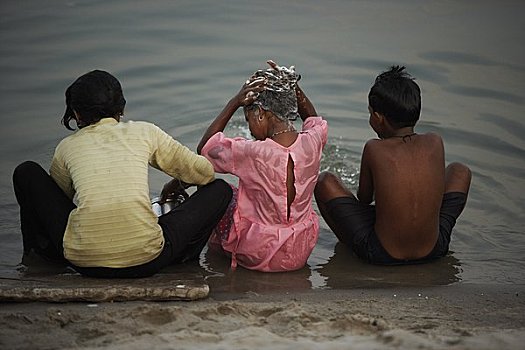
{"x": 365, "y": 193}
{"x": 244, "y": 97}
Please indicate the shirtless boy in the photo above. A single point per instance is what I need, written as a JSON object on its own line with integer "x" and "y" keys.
{"x": 417, "y": 198}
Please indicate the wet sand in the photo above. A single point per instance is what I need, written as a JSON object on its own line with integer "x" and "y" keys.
{"x": 458, "y": 316}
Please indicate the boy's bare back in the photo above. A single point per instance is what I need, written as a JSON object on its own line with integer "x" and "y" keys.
{"x": 406, "y": 176}
{"x": 417, "y": 198}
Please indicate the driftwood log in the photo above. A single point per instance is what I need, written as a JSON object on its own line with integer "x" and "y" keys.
{"x": 102, "y": 294}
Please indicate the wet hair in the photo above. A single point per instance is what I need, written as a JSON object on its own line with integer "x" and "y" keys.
{"x": 279, "y": 94}
{"x": 94, "y": 95}
{"x": 396, "y": 95}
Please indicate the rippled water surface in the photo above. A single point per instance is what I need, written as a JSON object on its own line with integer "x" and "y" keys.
{"x": 180, "y": 61}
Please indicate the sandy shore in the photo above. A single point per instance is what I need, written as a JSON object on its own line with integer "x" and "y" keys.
{"x": 459, "y": 316}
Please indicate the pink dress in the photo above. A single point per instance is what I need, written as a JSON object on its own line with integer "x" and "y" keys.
{"x": 261, "y": 237}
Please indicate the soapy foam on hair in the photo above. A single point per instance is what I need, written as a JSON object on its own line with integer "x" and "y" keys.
{"x": 279, "y": 94}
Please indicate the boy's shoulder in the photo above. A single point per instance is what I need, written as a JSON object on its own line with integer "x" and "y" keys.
{"x": 427, "y": 138}
{"x": 378, "y": 149}
{"x": 431, "y": 139}
{"x": 431, "y": 136}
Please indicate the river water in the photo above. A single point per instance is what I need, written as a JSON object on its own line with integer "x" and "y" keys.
{"x": 180, "y": 61}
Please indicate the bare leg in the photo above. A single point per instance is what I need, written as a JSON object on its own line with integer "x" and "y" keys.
{"x": 328, "y": 187}
{"x": 457, "y": 178}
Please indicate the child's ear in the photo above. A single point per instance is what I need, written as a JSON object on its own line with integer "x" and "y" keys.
{"x": 380, "y": 117}
{"x": 260, "y": 114}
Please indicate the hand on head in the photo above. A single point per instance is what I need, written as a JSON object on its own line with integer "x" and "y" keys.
{"x": 250, "y": 91}
{"x": 273, "y": 64}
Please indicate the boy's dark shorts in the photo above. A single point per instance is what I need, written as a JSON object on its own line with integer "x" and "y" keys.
{"x": 357, "y": 221}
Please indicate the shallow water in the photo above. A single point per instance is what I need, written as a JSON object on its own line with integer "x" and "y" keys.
{"x": 180, "y": 61}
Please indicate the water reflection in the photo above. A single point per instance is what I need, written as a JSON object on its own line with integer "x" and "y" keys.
{"x": 341, "y": 270}
{"x": 344, "y": 270}
{"x": 333, "y": 269}
{"x": 222, "y": 279}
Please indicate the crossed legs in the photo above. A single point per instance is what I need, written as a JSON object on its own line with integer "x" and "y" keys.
{"x": 329, "y": 186}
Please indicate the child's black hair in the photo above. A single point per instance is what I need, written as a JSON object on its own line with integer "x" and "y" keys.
{"x": 396, "y": 96}
{"x": 94, "y": 95}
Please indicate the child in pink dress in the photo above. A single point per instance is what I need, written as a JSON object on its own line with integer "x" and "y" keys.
{"x": 271, "y": 225}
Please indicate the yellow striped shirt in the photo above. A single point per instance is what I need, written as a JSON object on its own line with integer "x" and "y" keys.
{"x": 104, "y": 167}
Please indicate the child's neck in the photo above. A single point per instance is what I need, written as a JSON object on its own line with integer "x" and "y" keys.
{"x": 285, "y": 134}
{"x": 400, "y": 133}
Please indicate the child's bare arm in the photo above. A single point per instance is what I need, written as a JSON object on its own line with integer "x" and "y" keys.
{"x": 365, "y": 193}
{"x": 244, "y": 97}
{"x": 305, "y": 107}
